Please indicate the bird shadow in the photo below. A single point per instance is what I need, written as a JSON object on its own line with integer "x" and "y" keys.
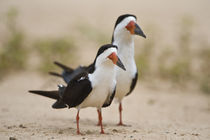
{"x": 87, "y": 127}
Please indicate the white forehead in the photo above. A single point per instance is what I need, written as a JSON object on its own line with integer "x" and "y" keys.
{"x": 105, "y": 54}
{"x": 125, "y": 22}
{"x": 108, "y": 52}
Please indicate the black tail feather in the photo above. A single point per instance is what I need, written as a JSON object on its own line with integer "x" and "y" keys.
{"x": 55, "y": 74}
{"x": 64, "y": 67}
{"x": 59, "y": 104}
{"x": 50, "y": 94}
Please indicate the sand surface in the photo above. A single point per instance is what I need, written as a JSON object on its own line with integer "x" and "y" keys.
{"x": 152, "y": 114}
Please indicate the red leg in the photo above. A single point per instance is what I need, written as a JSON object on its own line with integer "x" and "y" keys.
{"x": 120, "y": 111}
{"x": 100, "y": 120}
{"x": 77, "y": 118}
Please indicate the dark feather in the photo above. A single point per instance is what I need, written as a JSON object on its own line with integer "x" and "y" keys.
{"x": 50, "y": 94}
{"x": 109, "y": 98}
{"x": 55, "y": 74}
{"x": 69, "y": 76}
{"x": 59, "y": 104}
{"x": 133, "y": 84}
{"x": 64, "y": 67}
{"x": 77, "y": 90}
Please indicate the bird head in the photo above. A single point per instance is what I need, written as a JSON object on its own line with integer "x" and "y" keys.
{"x": 106, "y": 53}
{"x": 126, "y": 25}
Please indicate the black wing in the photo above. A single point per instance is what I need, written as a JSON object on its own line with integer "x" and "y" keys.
{"x": 133, "y": 84}
{"x": 69, "y": 73}
{"x": 51, "y": 94}
{"x": 68, "y": 76}
{"x": 109, "y": 98}
{"x": 64, "y": 67}
{"x": 54, "y": 95}
{"x": 77, "y": 90}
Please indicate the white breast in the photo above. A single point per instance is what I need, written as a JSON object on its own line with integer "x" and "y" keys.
{"x": 103, "y": 82}
{"x": 124, "y": 78}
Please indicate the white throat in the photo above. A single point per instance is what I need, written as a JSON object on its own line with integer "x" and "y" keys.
{"x": 104, "y": 74}
{"x": 125, "y": 46}
{"x": 125, "y": 43}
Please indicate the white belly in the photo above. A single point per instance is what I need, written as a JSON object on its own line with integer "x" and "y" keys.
{"x": 124, "y": 79}
{"x": 103, "y": 84}
{"x": 96, "y": 98}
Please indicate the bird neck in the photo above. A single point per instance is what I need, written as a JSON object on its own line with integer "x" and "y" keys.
{"x": 125, "y": 45}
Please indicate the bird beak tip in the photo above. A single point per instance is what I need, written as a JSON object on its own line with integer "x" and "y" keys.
{"x": 138, "y": 31}
{"x": 120, "y": 64}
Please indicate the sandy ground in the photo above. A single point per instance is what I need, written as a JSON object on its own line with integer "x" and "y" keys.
{"x": 152, "y": 114}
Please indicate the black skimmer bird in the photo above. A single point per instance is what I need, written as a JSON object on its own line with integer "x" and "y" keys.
{"x": 125, "y": 29}
{"x": 89, "y": 89}
{"x": 123, "y": 36}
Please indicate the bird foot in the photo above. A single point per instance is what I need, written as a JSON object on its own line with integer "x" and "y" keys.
{"x": 122, "y": 124}
{"x": 102, "y": 132}
{"x": 78, "y": 133}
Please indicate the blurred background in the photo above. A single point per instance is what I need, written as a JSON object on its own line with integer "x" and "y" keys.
{"x": 171, "y": 99}
{"x": 176, "y": 52}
